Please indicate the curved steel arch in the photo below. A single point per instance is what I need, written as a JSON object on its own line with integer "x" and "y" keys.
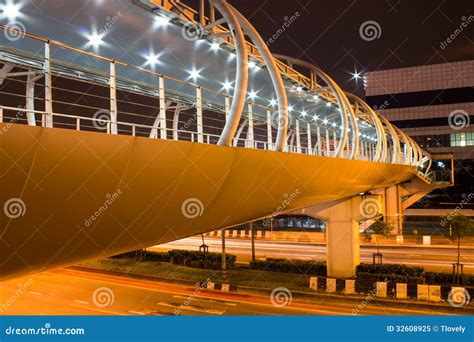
{"x": 395, "y": 140}
{"x": 242, "y": 72}
{"x": 407, "y": 144}
{"x": 381, "y": 138}
{"x": 343, "y": 103}
{"x": 275, "y": 75}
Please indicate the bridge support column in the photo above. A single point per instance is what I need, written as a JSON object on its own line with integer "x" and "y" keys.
{"x": 342, "y": 233}
{"x": 393, "y": 208}
{"x": 342, "y": 241}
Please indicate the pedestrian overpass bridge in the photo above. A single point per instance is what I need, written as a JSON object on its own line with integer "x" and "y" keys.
{"x": 169, "y": 122}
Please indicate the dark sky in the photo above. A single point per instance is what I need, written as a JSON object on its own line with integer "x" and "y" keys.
{"x": 326, "y": 33}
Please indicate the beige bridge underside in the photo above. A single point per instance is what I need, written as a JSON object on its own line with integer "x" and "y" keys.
{"x": 64, "y": 176}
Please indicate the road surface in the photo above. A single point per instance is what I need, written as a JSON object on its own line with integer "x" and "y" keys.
{"x": 433, "y": 258}
{"x": 73, "y": 292}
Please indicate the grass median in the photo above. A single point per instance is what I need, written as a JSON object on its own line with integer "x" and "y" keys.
{"x": 240, "y": 275}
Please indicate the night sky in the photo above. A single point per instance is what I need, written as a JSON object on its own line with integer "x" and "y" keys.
{"x": 326, "y": 33}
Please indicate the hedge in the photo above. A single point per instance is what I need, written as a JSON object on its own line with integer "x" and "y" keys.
{"x": 447, "y": 279}
{"x": 146, "y": 255}
{"x": 291, "y": 266}
{"x": 182, "y": 257}
{"x": 206, "y": 260}
{"x": 407, "y": 274}
{"x": 391, "y": 269}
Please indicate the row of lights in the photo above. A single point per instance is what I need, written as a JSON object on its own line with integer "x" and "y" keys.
{"x": 95, "y": 40}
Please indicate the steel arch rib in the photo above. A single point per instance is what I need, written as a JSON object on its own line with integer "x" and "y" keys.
{"x": 378, "y": 125}
{"x": 242, "y": 73}
{"x": 277, "y": 81}
{"x": 395, "y": 140}
{"x": 346, "y": 109}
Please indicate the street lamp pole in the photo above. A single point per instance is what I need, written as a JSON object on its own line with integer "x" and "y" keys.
{"x": 252, "y": 235}
{"x": 224, "y": 266}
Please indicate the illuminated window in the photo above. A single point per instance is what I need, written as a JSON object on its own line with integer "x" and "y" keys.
{"x": 462, "y": 139}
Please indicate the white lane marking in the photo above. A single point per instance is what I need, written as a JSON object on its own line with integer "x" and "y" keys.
{"x": 181, "y": 297}
{"x": 208, "y": 300}
{"x": 36, "y": 293}
{"x": 81, "y": 301}
{"x": 191, "y": 308}
{"x": 136, "y": 312}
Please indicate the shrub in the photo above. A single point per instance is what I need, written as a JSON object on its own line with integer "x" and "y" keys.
{"x": 145, "y": 255}
{"x": 402, "y": 270}
{"x": 447, "y": 279}
{"x": 290, "y": 266}
{"x": 206, "y": 260}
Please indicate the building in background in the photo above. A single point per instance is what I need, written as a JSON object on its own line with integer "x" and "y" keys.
{"x": 434, "y": 104}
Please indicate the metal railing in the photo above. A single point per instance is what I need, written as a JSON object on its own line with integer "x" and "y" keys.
{"x": 201, "y": 120}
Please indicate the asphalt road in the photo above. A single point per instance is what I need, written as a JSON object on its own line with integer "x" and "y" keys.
{"x": 435, "y": 258}
{"x": 72, "y": 292}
